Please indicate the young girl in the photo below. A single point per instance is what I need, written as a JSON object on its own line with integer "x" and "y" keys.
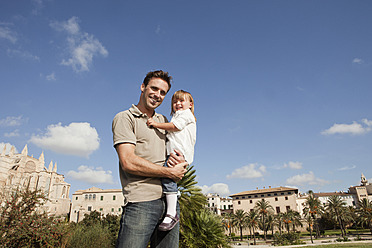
{"x": 181, "y": 136}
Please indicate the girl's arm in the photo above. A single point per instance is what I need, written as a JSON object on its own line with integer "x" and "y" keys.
{"x": 169, "y": 126}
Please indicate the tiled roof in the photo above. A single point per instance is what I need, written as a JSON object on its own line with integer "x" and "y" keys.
{"x": 261, "y": 191}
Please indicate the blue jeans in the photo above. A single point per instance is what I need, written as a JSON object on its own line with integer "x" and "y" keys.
{"x": 169, "y": 186}
{"x": 138, "y": 226}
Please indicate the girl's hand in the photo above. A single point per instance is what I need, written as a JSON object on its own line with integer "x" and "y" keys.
{"x": 150, "y": 122}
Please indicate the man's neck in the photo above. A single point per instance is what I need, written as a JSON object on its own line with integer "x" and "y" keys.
{"x": 144, "y": 110}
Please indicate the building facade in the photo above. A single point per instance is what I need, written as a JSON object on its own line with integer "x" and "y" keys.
{"x": 281, "y": 199}
{"x": 21, "y": 171}
{"x": 219, "y": 205}
{"x": 105, "y": 201}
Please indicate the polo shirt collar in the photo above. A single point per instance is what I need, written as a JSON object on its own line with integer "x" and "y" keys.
{"x": 136, "y": 112}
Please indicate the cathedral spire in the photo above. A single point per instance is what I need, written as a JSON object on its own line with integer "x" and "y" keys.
{"x": 3, "y": 152}
{"x": 11, "y": 152}
{"x": 55, "y": 167}
{"x": 50, "y": 166}
{"x": 25, "y": 151}
{"x": 41, "y": 158}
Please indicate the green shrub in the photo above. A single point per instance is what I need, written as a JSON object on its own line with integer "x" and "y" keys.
{"x": 94, "y": 236}
{"x": 292, "y": 238}
{"x": 22, "y": 225}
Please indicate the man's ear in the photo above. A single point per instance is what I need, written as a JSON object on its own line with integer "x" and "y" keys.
{"x": 143, "y": 87}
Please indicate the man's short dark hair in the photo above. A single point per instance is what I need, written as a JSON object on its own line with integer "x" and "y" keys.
{"x": 158, "y": 74}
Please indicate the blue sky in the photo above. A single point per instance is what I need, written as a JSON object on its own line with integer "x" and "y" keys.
{"x": 282, "y": 89}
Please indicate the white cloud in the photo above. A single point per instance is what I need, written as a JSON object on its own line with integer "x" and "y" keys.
{"x": 8, "y": 147}
{"x": 51, "y": 77}
{"x": 347, "y": 168}
{"x": 15, "y": 133}
{"x": 220, "y": 188}
{"x": 157, "y": 31}
{"x": 82, "y": 46}
{"x": 22, "y": 54}
{"x": 248, "y": 171}
{"x": 91, "y": 175}
{"x": 12, "y": 121}
{"x": 38, "y": 5}
{"x": 78, "y": 139}
{"x": 306, "y": 179}
{"x": 357, "y": 61}
{"x": 293, "y": 165}
{"x": 8, "y": 34}
{"x": 354, "y": 128}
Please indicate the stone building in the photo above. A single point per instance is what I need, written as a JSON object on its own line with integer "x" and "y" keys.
{"x": 364, "y": 190}
{"x": 21, "y": 171}
{"x": 105, "y": 201}
{"x": 281, "y": 199}
{"x": 219, "y": 205}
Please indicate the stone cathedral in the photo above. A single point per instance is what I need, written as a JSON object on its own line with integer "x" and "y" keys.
{"x": 21, "y": 171}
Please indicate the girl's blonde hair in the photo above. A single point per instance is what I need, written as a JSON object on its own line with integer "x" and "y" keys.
{"x": 182, "y": 94}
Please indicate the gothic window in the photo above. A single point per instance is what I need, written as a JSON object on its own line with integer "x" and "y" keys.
{"x": 64, "y": 192}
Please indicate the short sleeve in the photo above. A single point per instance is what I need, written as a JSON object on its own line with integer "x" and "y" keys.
{"x": 123, "y": 128}
{"x": 183, "y": 118}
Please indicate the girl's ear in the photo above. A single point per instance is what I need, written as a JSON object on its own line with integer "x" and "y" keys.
{"x": 191, "y": 103}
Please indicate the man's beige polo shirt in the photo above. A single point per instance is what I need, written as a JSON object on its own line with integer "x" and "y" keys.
{"x": 130, "y": 127}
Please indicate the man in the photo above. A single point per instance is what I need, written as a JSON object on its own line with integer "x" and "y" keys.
{"x": 142, "y": 152}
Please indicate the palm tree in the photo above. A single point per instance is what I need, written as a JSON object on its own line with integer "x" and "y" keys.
{"x": 191, "y": 198}
{"x": 203, "y": 229}
{"x": 240, "y": 220}
{"x": 278, "y": 220}
{"x": 313, "y": 209}
{"x": 365, "y": 213}
{"x": 198, "y": 226}
{"x": 336, "y": 206}
{"x": 227, "y": 219}
{"x": 296, "y": 219}
{"x": 252, "y": 222}
{"x": 264, "y": 208}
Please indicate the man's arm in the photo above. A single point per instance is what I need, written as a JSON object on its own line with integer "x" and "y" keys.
{"x": 168, "y": 126}
{"x": 133, "y": 164}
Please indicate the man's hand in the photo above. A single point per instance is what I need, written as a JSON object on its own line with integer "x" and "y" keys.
{"x": 175, "y": 158}
{"x": 178, "y": 171}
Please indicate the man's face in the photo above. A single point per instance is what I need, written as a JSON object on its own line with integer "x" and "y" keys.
{"x": 153, "y": 94}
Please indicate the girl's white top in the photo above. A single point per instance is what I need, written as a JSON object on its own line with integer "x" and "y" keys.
{"x": 183, "y": 140}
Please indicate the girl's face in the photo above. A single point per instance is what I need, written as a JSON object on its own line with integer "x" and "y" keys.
{"x": 181, "y": 104}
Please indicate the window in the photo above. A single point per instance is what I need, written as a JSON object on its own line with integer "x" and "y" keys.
{"x": 276, "y": 198}
{"x": 76, "y": 198}
{"x": 90, "y": 197}
{"x": 275, "y": 194}
{"x": 89, "y": 208}
{"x": 268, "y": 194}
{"x": 101, "y": 209}
{"x": 255, "y": 195}
{"x": 250, "y": 201}
{"x": 119, "y": 209}
{"x": 94, "y": 196}
{"x": 212, "y": 204}
{"x": 86, "y": 197}
{"x": 112, "y": 209}
{"x": 243, "y": 197}
{"x": 238, "y": 202}
{"x": 262, "y": 195}
{"x": 286, "y": 198}
{"x": 249, "y": 196}
{"x": 114, "y": 197}
{"x": 288, "y": 208}
{"x": 251, "y": 209}
{"x": 282, "y": 193}
{"x": 101, "y": 197}
{"x": 277, "y": 210}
